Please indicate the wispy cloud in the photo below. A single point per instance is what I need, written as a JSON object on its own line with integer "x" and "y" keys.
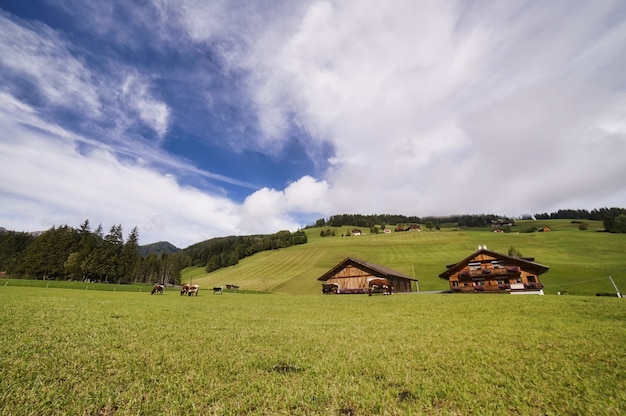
{"x": 35, "y": 57}
{"x": 59, "y": 185}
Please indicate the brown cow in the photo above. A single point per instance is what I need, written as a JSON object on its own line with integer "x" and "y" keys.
{"x": 184, "y": 290}
{"x": 193, "y": 289}
{"x": 158, "y": 289}
{"x": 375, "y": 284}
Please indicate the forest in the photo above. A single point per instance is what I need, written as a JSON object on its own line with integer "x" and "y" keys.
{"x": 66, "y": 253}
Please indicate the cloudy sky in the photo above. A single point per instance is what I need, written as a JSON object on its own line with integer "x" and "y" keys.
{"x": 197, "y": 119}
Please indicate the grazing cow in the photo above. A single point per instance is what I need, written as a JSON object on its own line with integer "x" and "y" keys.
{"x": 193, "y": 289}
{"x": 184, "y": 290}
{"x": 328, "y": 288}
{"x": 158, "y": 289}
{"x": 217, "y": 290}
{"x": 375, "y": 284}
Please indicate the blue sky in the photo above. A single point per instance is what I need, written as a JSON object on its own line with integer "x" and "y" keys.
{"x": 196, "y": 119}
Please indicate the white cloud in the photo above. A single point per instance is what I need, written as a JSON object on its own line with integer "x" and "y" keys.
{"x": 152, "y": 112}
{"x": 271, "y": 209}
{"x": 52, "y": 183}
{"x": 424, "y": 102}
{"x": 37, "y": 55}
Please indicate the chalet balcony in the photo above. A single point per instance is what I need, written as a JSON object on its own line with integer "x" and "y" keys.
{"x": 512, "y": 269}
{"x": 533, "y": 285}
{"x": 483, "y": 272}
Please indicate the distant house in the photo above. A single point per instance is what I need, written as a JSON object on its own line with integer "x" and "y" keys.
{"x": 488, "y": 271}
{"x": 545, "y": 229}
{"x": 501, "y": 222}
{"x": 356, "y": 231}
{"x": 387, "y": 230}
{"x": 351, "y": 274}
{"x": 414, "y": 227}
{"x": 399, "y": 228}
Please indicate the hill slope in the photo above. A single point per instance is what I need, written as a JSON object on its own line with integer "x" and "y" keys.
{"x": 158, "y": 248}
{"x": 579, "y": 261}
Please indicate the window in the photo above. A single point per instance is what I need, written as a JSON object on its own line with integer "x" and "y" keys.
{"x": 474, "y": 266}
{"x": 455, "y": 283}
{"x": 497, "y": 264}
{"x": 531, "y": 279}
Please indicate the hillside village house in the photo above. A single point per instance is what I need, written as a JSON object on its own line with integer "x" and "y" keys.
{"x": 351, "y": 274}
{"x": 411, "y": 227}
{"x": 487, "y": 271}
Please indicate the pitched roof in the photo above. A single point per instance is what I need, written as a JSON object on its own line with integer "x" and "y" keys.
{"x": 376, "y": 269}
{"x": 526, "y": 263}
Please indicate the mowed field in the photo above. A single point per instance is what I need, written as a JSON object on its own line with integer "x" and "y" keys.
{"x": 90, "y": 352}
{"x": 580, "y": 261}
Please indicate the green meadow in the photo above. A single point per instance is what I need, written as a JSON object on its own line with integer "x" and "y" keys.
{"x": 96, "y": 352}
{"x": 106, "y": 349}
{"x": 580, "y": 261}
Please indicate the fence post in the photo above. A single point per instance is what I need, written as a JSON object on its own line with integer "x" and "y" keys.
{"x": 619, "y": 295}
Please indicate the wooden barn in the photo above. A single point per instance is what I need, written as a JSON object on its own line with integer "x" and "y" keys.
{"x": 350, "y": 276}
{"x": 487, "y": 271}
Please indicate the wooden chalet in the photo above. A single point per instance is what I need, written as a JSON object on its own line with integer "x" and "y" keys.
{"x": 350, "y": 276}
{"x": 487, "y": 271}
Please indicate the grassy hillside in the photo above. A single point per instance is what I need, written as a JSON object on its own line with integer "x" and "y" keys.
{"x": 579, "y": 261}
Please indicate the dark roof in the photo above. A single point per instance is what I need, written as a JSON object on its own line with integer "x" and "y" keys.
{"x": 375, "y": 269}
{"x": 526, "y": 263}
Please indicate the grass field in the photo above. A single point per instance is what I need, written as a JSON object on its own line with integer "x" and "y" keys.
{"x": 89, "y": 352}
{"x": 580, "y": 261}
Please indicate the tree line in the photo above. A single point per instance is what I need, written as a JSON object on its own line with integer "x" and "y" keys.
{"x": 614, "y": 219}
{"x": 68, "y": 253}
{"x": 370, "y": 221}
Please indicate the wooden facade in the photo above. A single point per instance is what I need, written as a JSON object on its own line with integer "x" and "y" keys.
{"x": 351, "y": 275}
{"x": 487, "y": 271}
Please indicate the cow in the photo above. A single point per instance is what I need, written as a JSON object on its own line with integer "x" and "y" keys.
{"x": 377, "y": 284}
{"x": 184, "y": 290}
{"x": 157, "y": 289}
{"x": 193, "y": 289}
{"x": 217, "y": 290}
